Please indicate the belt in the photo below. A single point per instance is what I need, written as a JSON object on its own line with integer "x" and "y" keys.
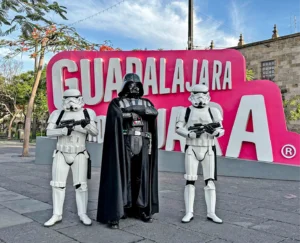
{"x": 137, "y": 133}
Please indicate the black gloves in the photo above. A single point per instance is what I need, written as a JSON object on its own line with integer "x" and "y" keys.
{"x": 84, "y": 122}
{"x": 70, "y": 129}
{"x": 209, "y": 129}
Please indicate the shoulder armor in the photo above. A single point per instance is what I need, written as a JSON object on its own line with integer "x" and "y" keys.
{"x": 216, "y": 114}
{"x": 92, "y": 114}
{"x": 54, "y": 116}
{"x": 181, "y": 114}
{"x": 147, "y": 102}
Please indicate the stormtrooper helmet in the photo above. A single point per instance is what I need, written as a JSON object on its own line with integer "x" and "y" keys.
{"x": 199, "y": 95}
{"x": 72, "y": 100}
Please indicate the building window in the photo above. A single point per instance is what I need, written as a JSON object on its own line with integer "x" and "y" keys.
{"x": 268, "y": 70}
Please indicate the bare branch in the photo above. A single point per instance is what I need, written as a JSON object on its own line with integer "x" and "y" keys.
{"x": 9, "y": 68}
{"x": 6, "y": 108}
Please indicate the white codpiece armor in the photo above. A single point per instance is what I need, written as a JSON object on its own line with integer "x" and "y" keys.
{"x": 71, "y": 126}
{"x": 200, "y": 125}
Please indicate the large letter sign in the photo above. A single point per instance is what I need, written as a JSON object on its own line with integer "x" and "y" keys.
{"x": 260, "y": 135}
{"x": 253, "y": 112}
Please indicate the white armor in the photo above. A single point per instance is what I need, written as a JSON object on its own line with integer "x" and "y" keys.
{"x": 200, "y": 149}
{"x": 70, "y": 152}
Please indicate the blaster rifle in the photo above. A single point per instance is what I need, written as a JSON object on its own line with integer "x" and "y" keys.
{"x": 197, "y": 128}
{"x": 69, "y": 123}
{"x": 200, "y": 128}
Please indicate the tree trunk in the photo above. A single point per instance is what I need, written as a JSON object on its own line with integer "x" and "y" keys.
{"x": 10, "y": 126}
{"x": 31, "y": 101}
{"x": 34, "y": 120}
{"x": 36, "y": 63}
{"x": 34, "y": 124}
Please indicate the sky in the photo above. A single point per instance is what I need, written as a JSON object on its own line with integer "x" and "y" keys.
{"x": 154, "y": 24}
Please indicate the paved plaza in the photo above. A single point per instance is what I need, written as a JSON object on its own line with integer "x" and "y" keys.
{"x": 253, "y": 210}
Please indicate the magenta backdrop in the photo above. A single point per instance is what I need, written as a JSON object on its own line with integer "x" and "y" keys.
{"x": 228, "y": 99}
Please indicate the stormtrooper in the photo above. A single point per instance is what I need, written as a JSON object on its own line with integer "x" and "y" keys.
{"x": 71, "y": 126}
{"x": 200, "y": 125}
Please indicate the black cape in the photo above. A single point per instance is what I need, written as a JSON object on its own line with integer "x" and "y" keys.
{"x": 115, "y": 174}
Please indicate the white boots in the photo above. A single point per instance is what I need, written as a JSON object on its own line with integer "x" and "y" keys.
{"x": 58, "y": 196}
{"x": 210, "y": 199}
{"x": 189, "y": 196}
{"x": 82, "y": 201}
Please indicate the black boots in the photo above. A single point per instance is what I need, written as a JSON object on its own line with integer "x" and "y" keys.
{"x": 142, "y": 216}
{"x": 114, "y": 224}
{"x": 145, "y": 218}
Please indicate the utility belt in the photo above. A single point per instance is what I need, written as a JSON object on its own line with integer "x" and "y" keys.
{"x": 137, "y": 133}
{"x": 136, "y": 143}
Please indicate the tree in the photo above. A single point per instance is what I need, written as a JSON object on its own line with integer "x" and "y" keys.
{"x": 50, "y": 38}
{"x": 249, "y": 74}
{"x": 15, "y": 96}
{"x": 3, "y": 112}
{"x": 9, "y": 107}
{"x": 41, "y": 107}
{"x": 293, "y": 108}
{"x": 28, "y": 13}
{"x": 106, "y": 47}
{"x": 41, "y": 101}
{"x": 40, "y": 111}
{"x": 9, "y": 69}
{"x": 20, "y": 90}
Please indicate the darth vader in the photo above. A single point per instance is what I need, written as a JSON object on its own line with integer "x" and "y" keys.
{"x": 129, "y": 173}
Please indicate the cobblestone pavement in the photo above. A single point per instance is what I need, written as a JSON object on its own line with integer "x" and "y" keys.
{"x": 253, "y": 211}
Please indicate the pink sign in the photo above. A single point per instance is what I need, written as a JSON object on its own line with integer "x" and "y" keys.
{"x": 254, "y": 120}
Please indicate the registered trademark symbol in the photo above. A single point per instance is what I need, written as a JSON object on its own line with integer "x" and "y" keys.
{"x": 288, "y": 151}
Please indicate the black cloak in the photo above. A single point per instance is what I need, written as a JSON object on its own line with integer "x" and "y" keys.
{"x": 115, "y": 182}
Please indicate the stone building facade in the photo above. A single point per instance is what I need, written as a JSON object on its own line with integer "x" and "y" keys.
{"x": 276, "y": 59}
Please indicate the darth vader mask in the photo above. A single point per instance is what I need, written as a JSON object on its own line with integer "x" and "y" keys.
{"x": 132, "y": 86}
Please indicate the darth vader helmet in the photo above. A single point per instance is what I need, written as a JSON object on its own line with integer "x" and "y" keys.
{"x": 199, "y": 95}
{"x": 132, "y": 86}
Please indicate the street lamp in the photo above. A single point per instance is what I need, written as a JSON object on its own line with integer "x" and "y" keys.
{"x": 190, "y": 25}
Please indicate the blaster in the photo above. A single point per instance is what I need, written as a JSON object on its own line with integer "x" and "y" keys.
{"x": 197, "y": 128}
{"x": 200, "y": 128}
{"x": 69, "y": 123}
{"x": 214, "y": 124}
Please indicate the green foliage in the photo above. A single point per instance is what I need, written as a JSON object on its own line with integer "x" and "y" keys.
{"x": 249, "y": 74}
{"x": 22, "y": 90}
{"x": 15, "y": 94}
{"x": 3, "y": 135}
{"x": 39, "y": 134}
{"x": 293, "y": 108}
{"x": 7, "y": 101}
{"x": 38, "y": 36}
{"x": 27, "y": 14}
{"x": 22, "y": 87}
{"x": 2, "y": 79}
{"x": 41, "y": 106}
